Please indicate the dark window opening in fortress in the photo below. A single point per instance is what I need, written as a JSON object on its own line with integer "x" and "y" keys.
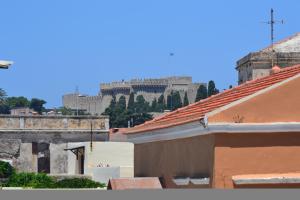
{"x": 34, "y": 148}
{"x": 43, "y": 158}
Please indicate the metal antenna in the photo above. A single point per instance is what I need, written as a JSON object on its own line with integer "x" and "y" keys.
{"x": 76, "y": 89}
{"x": 272, "y": 22}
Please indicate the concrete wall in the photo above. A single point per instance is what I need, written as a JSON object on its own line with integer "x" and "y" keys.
{"x": 115, "y": 154}
{"x": 190, "y": 157}
{"x": 58, "y": 158}
{"x": 257, "y": 153}
{"x": 280, "y": 104}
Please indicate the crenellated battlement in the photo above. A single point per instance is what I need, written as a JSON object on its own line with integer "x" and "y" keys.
{"x": 164, "y": 82}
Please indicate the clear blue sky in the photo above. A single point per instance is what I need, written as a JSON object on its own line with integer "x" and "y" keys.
{"x": 58, "y": 44}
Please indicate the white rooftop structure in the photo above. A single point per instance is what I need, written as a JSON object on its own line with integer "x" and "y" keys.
{"x": 290, "y": 44}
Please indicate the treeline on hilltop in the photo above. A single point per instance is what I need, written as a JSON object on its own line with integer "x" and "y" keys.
{"x": 8, "y": 103}
{"x": 138, "y": 110}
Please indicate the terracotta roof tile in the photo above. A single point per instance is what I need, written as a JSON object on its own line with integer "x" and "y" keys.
{"x": 196, "y": 111}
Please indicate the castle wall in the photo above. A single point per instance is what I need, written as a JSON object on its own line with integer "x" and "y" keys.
{"x": 149, "y": 88}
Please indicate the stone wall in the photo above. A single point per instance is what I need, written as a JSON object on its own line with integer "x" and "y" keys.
{"x": 9, "y": 122}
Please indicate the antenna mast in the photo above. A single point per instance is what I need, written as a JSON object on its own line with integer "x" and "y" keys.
{"x": 272, "y": 23}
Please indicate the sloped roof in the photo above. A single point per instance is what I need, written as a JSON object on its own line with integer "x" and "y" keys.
{"x": 197, "y": 111}
{"x": 289, "y": 44}
{"x": 134, "y": 183}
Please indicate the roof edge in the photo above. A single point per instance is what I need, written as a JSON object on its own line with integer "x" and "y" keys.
{"x": 228, "y": 106}
{"x": 196, "y": 129}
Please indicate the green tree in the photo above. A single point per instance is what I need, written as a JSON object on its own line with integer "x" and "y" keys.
{"x": 4, "y": 108}
{"x": 201, "y": 93}
{"x": 131, "y": 101}
{"x": 154, "y": 105}
{"x": 113, "y": 102}
{"x": 174, "y": 100}
{"x": 17, "y": 102}
{"x": 37, "y": 105}
{"x": 177, "y": 102}
{"x": 66, "y": 111}
{"x": 170, "y": 101}
{"x": 141, "y": 105}
{"x": 122, "y": 103}
{"x": 185, "y": 99}
{"x": 110, "y": 111}
{"x": 212, "y": 90}
{"x": 161, "y": 104}
{"x": 139, "y": 118}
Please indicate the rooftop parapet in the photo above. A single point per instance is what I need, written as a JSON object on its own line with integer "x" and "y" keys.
{"x": 149, "y": 81}
{"x": 113, "y": 85}
{"x": 144, "y": 82}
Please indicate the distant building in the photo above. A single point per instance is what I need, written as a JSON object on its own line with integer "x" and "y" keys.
{"x": 244, "y": 137}
{"x": 23, "y": 111}
{"x": 149, "y": 88}
{"x": 258, "y": 64}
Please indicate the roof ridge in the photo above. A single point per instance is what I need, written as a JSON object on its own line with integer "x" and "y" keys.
{"x": 281, "y": 41}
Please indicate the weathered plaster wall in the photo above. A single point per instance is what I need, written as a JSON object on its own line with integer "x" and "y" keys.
{"x": 25, "y": 161}
{"x": 18, "y": 133}
{"x": 254, "y": 153}
{"x": 190, "y": 157}
{"x": 280, "y": 104}
{"x": 9, "y": 122}
{"x": 58, "y": 158}
{"x": 115, "y": 154}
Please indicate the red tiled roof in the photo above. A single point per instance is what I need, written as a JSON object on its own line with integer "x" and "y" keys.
{"x": 196, "y": 111}
{"x": 134, "y": 183}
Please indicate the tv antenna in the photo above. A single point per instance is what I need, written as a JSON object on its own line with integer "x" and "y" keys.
{"x": 272, "y": 22}
{"x": 76, "y": 89}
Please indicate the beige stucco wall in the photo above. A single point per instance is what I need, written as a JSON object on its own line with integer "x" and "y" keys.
{"x": 189, "y": 157}
{"x": 115, "y": 154}
{"x": 280, "y": 104}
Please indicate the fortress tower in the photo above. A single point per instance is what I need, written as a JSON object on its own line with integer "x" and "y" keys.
{"x": 149, "y": 88}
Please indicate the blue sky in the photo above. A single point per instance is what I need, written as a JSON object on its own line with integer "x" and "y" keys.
{"x": 58, "y": 44}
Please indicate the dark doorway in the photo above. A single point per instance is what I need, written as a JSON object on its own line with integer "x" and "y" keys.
{"x": 43, "y": 158}
{"x": 81, "y": 164}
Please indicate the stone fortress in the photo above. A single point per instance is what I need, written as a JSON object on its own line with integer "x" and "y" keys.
{"x": 149, "y": 88}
